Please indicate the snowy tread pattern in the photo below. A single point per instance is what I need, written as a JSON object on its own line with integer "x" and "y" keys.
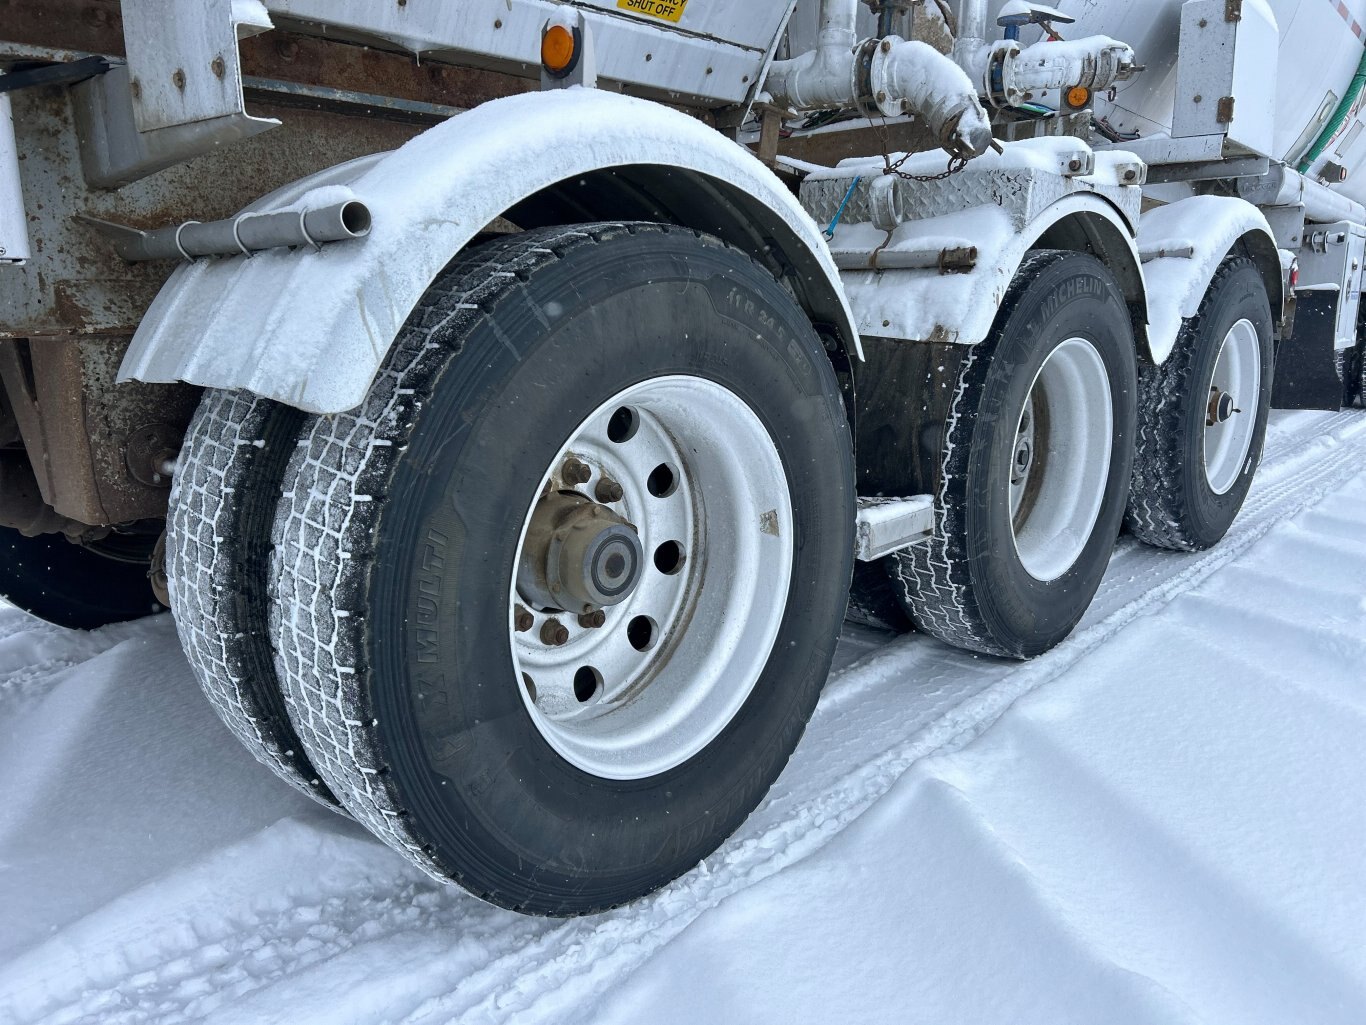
{"x": 218, "y": 588}
{"x": 933, "y": 578}
{"x": 1157, "y": 496}
{"x": 328, "y": 513}
{"x": 935, "y": 587}
{"x": 967, "y": 585}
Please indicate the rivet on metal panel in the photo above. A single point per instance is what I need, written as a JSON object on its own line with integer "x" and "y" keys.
{"x": 218, "y": 67}
{"x": 178, "y": 78}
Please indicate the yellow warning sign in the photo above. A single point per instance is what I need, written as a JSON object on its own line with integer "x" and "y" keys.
{"x": 665, "y": 10}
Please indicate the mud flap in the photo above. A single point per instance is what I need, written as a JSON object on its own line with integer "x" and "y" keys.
{"x": 1307, "y": 370}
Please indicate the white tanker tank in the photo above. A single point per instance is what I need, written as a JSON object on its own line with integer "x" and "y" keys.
{"x": 1321, "y": 54}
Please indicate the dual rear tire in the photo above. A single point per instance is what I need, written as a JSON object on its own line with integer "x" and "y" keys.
{"x": 1038, "y": 447}
{"x": 1056, "y": 437}
{"x": 632, "y": 437}
{"x": 1203, "y": 416}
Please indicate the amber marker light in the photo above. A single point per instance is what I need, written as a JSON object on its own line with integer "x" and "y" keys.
{"x": 558, "y": 50}
{"x": 1078, "y": 97}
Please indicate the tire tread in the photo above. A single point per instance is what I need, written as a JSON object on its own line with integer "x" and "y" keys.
{"x": 325, "y": 527}
{"x": 217, "y": 577}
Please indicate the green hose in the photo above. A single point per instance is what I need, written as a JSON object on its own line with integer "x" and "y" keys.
{"x": 1339, "y": 118}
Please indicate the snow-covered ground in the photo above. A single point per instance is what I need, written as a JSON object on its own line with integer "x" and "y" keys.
{"x": 1163, "y": 820}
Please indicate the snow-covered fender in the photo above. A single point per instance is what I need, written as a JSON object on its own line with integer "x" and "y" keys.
{"x": 311, "y": 328}
{"x": 1183, "y": 244}
{"x": 960, "y": 308}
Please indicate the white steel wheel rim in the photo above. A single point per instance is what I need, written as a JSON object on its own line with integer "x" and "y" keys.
{"x": 712, "y": 623}
{"x": 1061, "y": 462}
{"x": 1228, "y": 432}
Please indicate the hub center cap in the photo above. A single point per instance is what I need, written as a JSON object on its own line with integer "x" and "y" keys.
{"x": 578, "y": 555}
{"x": 1220, "y": 407}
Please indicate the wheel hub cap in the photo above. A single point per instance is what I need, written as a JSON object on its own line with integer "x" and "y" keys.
{"x": 651, "y": 577}
{"x": 579, "y": 555}
{"x": 1220, "y": 407}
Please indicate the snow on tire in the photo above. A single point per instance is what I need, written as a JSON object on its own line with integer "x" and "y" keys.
{"x": 1202, "y": 416}
{"x": 218, "y": 533}
{"x": 431, "y": 680}
{"x": 1035, "y": 468}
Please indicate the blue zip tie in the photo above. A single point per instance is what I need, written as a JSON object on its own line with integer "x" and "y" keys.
{"x": 830, "y": 231}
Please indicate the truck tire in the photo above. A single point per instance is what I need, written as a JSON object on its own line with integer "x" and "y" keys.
{"x": 77, "y": 586}
{"x": 1355, "y": 378}
{"x": 873, "y": 599}
{"x": 223, "y": 499}
{"x": 1202, "y": 416}
{"x": 1037, "y": 456}
{"x": 653, "y": 397}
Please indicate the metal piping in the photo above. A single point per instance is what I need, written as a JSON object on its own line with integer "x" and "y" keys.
{"x": 1284, "y": 186}
{"x": 972, "y": 33}
{"x": 889, "y": 77}
{"x": 825, "y": 76}
{"x": 241, "y": 235}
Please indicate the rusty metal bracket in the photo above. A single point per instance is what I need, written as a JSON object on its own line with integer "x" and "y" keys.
{"x": 770, "y": 132}
{"x": 114, "y": 152}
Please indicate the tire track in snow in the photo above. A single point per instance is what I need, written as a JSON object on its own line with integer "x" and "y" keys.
{"x": 533, "y": 969}
{"x": 26, "y": 684}
{"x": 584, "y": 957}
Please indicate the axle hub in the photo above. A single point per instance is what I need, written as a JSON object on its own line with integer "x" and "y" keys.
{"x": 1221, "y": 407}
{"x": 578, "y": 555}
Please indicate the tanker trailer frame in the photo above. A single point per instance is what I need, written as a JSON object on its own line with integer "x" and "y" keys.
{"x": 504, "y": 395}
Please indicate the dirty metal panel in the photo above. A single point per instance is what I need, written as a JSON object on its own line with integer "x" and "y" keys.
{"x": 505, "y": 35}
{"x": 753, "y": 23}
{"x": 92, "y": 26}
{"x": 85, "y": 426}
{"x": 309, "y": 60}
{"x": 96, "y": 26}
{"x": 73, "y": 283}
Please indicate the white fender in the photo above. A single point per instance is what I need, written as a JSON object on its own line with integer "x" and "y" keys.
{"x": 1182, "y": 246}
{"x": 312, "y": 328}
{"x": 927, "y": 305}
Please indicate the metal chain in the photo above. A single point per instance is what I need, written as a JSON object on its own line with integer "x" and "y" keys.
{"x": 956, "y": 164}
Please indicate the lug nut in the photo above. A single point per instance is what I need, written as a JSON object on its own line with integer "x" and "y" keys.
{"x": 554, "y": 633}
{"x": 575, "y": 472}
{"x": 593, "y": 620}
{"x": 608, "y": 491}
{"x": 522, "y": 619}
